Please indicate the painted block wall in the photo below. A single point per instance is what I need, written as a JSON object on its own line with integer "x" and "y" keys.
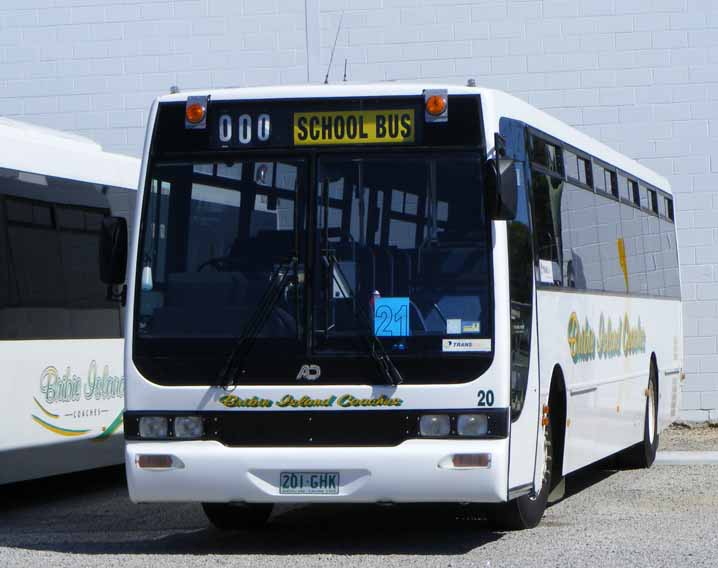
{"x": 640, "y": 75}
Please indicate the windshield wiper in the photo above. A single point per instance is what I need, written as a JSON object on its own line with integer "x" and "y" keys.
{"x": 235, "y": 362}
{"x": 375, "y": 347}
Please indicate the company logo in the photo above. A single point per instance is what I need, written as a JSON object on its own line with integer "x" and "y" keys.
{"x": 74, "y": 395}
{"x": 613, "y": 339}
{"x": 309, "y": 373}
{"x": 290, "y": 401}
{"x": 69, "y": 387}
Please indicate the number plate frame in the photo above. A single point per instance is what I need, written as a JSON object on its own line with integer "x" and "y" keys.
{"x": 309, "y": 483}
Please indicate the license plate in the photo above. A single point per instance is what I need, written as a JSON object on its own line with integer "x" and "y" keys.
{"x": 309, "y": 483}
{"x": 395, "y": 126}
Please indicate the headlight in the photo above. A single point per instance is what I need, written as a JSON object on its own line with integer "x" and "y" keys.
{"x": 472, "y": 425}
{"x": 153, "y": 427}
{"x": 432, "y": 425}
{"x": 188, "y": 427}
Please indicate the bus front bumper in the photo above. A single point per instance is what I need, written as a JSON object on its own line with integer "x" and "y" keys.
{"x": 414, "y": 471}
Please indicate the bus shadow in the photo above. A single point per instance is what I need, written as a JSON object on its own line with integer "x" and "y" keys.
{"x": 578, "y": 481}
{"x": 306, "y": 530}
{"x": 91, "y": 514}
{"x": 15, "y": 497}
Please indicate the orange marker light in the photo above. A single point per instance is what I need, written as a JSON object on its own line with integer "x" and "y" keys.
{"x": 436, "y": 105}
{"x": 154, "y": 461}
{"x": 195, "y": 113}
{"x": 471, "y": 460}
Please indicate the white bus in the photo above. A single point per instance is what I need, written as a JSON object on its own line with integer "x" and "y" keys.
{"x": 391, "y": 293}
{"x": 60, "y": 336}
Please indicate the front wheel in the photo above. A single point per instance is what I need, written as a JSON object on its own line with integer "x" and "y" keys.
{"x": 526, "y": 512}
{"x": 238, "y": 516}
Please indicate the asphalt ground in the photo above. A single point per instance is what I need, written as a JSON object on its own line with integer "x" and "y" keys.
{"x": 665, "y": 516}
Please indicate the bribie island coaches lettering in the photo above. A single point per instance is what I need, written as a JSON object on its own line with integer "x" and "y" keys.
{"x": 290, "y": 401}
{"x": 584, "y": 345}
{"x": 346, "y": 286}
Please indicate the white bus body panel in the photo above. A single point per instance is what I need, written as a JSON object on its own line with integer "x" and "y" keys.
{"x": 62, "y": 406}
{"x": 207, "y": 471}
{"x": 606, "y": 400}
{"x": 76, "y": 422}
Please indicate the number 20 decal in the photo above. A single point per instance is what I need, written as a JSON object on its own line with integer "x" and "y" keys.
{"x": 486, "y": 398}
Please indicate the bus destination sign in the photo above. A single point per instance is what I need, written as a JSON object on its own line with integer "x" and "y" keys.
{"x": 277, "y": 127}
{"x": 301, "y": 124}
{"x": 394, "y": 126}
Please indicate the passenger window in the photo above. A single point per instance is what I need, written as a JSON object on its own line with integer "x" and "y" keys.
{"x": 570, "y": 164}
{"x": 632, "y": 230}
{"x": 546, "y": 154}
{"x": 599, "y": 178}
{"x": 635, "y": 193}
{"x": 548, "y": 227}
{"x": 654, "y": 254}
{"x": 643, "y": 193}
{"x": 614, "y": 271}
{"x": 50, "y": 285}
{"x": 581, "y": 241}
{"x": 567, "y": 234}
{"x": 672, "y": 283}
{"x": 653, "y": 201}
{"x": 624, "y": 188}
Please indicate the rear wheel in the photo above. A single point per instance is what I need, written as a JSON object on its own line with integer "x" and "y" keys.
{"x": 643, "y": 454}
{"x": 525, "y": 512}
{"x": 238, "y": 516}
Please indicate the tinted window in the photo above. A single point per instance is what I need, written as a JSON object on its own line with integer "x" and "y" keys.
{"x": 624, "y": 188}
{"x": 672, "y": 285}
{"x": 632, "y": 229}
{"x": 653, "y": 250}
{"x": 546, "y": 154}
{"x": 217, "y": 238}
{"x": 599, "y": 178}
{"x": 653, "y": 201}
{"x": 583, "y": 261}
{"x": 521, "y": 290}
{"x": 50, "y": 284}
{"x": 427, "y": 242}
{"x": 613, "y": 272}
{"x": 549, "y": 227}
{"x": 567, "y": 234}
{"x": 635, "y": 193}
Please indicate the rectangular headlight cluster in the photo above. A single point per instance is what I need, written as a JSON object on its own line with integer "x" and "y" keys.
{"x": 164, "y": 427}
{"x": 461, "y": 425}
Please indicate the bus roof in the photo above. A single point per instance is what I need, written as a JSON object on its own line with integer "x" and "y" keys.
{"x": 504, "y": 105}
{"x": 35, "y": 149}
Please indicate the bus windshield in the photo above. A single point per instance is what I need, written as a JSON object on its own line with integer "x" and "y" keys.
{"x": 322, "y": 260}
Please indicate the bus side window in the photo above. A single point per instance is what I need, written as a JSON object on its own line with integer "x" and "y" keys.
{"x": 521, "y": 291}
{"x": 547, "y": 192}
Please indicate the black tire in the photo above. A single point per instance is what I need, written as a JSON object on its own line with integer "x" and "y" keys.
{"x": 642, "y": 455}
{"x": 238, "y": 516}
{"x": 526, "y": 512}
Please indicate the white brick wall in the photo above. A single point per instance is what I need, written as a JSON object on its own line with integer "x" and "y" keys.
{"x": 641, "y": 75}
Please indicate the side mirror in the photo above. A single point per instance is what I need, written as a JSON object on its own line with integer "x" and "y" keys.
{"x": 502, "y": 178}
{"x": 113, "y": 251}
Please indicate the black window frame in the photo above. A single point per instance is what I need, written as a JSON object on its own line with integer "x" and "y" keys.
{"x": 653, "y": 194}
